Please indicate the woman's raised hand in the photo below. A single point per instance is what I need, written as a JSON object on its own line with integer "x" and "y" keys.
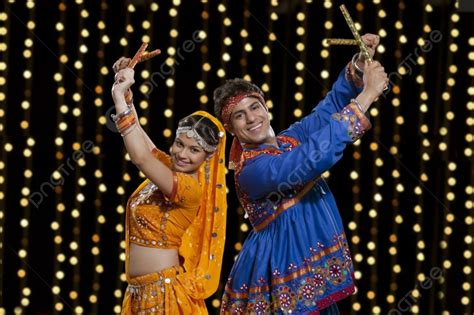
{"x": 124, "y": 79}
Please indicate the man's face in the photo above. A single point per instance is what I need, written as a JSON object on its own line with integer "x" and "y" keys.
{"x": 250, "y": 122}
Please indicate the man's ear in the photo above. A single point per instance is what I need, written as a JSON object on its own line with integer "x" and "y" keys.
{"x": 229, "y": 128}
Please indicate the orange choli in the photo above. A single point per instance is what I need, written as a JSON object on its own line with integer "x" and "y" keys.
{"x": 158, "y": 221}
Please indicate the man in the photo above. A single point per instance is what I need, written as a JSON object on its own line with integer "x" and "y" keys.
{"x": 296, "y": 259}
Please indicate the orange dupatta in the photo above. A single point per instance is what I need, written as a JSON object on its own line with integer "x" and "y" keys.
{"x": 203, "y": 243}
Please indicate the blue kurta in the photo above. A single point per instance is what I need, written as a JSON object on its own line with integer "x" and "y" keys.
{"x": 296, "y": 259}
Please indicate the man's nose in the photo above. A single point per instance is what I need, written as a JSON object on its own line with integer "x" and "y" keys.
{"x": 250, "y": 117}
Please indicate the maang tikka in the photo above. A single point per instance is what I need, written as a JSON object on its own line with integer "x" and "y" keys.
{"x": 192, "y": 133}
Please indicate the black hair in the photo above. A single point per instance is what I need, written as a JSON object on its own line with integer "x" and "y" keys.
{"x": 230, "y": 88}
{"x": 205, "y": 128}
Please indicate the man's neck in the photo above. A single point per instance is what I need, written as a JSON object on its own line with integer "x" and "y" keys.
{"x": 270, "y": 141}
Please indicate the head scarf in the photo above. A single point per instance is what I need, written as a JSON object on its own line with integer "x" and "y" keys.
{"x": 236, "y": 149}
{"x": 202, "y": 244}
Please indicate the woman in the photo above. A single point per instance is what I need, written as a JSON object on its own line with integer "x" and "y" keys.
{"x": 175, "y": 220}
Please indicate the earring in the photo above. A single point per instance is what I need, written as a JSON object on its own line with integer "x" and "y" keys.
{"x": 171, "y": 150}
{"x": 206, "y": 171}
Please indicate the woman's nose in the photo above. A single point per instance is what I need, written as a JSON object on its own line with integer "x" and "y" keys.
{"x": 181, "y": 153}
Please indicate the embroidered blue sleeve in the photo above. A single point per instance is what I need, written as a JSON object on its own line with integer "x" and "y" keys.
{"x": 267, "y": 174}
{"x": 336, "y": 99}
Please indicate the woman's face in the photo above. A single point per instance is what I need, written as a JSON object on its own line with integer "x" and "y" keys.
{"x": 186, "y": 154}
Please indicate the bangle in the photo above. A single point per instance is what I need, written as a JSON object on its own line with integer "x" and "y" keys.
{"x": 123, "y": 126}
{"x": 358, "y": 70}
{"x": 125, "y": 121}
{"x": 129, "y": 129}
{"x": 117, "y": 117}
{"x": 359, "y": 105}
{"x": 129, "y": 98}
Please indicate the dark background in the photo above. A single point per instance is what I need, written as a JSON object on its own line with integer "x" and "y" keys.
{"x": 412, "y": 249}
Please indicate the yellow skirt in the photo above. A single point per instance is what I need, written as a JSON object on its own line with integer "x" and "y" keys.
{"x": 160, "y": 293}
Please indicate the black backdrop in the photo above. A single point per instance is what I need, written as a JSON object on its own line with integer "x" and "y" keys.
{"x": 404, "y": 191}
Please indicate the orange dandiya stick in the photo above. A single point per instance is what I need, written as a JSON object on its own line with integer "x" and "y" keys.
{"x": 140, "y": 56}
{"x": 148, "y": 55}
{"x": 136, "y": 58}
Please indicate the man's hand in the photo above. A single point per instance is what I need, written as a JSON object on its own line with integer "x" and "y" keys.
{"x": 371, "y": 41}
{"x": 375, "y": 79}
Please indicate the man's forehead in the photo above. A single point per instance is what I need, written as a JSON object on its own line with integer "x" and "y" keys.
{"x": 246, "y": 102}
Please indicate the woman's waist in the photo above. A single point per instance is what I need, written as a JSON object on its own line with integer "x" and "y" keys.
{"x": 145, "y": 260}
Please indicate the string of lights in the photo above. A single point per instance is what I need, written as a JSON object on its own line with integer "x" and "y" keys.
{"x": 227, "y": 41}
{"x": 302, "y": 42}
{"x": 397, "y": 189}
{"x": 62, "y": 109}
{"x": 77, "y": 212}
{"x": 468, "y": 204}
{"x": 206, "y": 66}
{"x": 325, "y": 52}
{"x": 442, "y": 130}
{"x": 445, "y": 144}
{"x": 466, "y": 297}
{"x": 424, "y": 155}
{"x": 245, "y": 43}
{"x": 27, "y": 153}
{"x": 267, "y": 48}
{"x": 171, "y": 62}
{"x": 144, "y": 101}
{"x": 100, "y": 120}
{"x": 4, "y": 43}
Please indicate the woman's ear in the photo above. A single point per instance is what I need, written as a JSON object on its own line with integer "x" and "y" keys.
{"x": 210, "y": 155}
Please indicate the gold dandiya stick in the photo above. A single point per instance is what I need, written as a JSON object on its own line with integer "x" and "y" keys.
{"x": 341, "y": 41}
{"x": 363, "y": 47}
{"x": 140, "y": 56}
{"x": 357, "y": 39}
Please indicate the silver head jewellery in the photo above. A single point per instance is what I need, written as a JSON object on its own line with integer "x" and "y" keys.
{"x": 192, "y": 133}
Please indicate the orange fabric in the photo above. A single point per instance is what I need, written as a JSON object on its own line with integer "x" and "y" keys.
{"x": 162, "y": 156}
{"x": 160, "y": 293}
{"x": 158, "y": 221}
{"x": 202, "y": 244}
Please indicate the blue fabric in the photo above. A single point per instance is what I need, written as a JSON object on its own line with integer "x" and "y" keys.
{"x": 298, "y": 259}
{"x": 336, "y": 99}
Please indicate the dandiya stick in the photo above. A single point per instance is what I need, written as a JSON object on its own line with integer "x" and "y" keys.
{"x": 140, "y": 56}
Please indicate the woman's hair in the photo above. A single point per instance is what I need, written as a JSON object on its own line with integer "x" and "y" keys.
{"x": 229, "y": 89}
{"x": 204, "y": 127}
